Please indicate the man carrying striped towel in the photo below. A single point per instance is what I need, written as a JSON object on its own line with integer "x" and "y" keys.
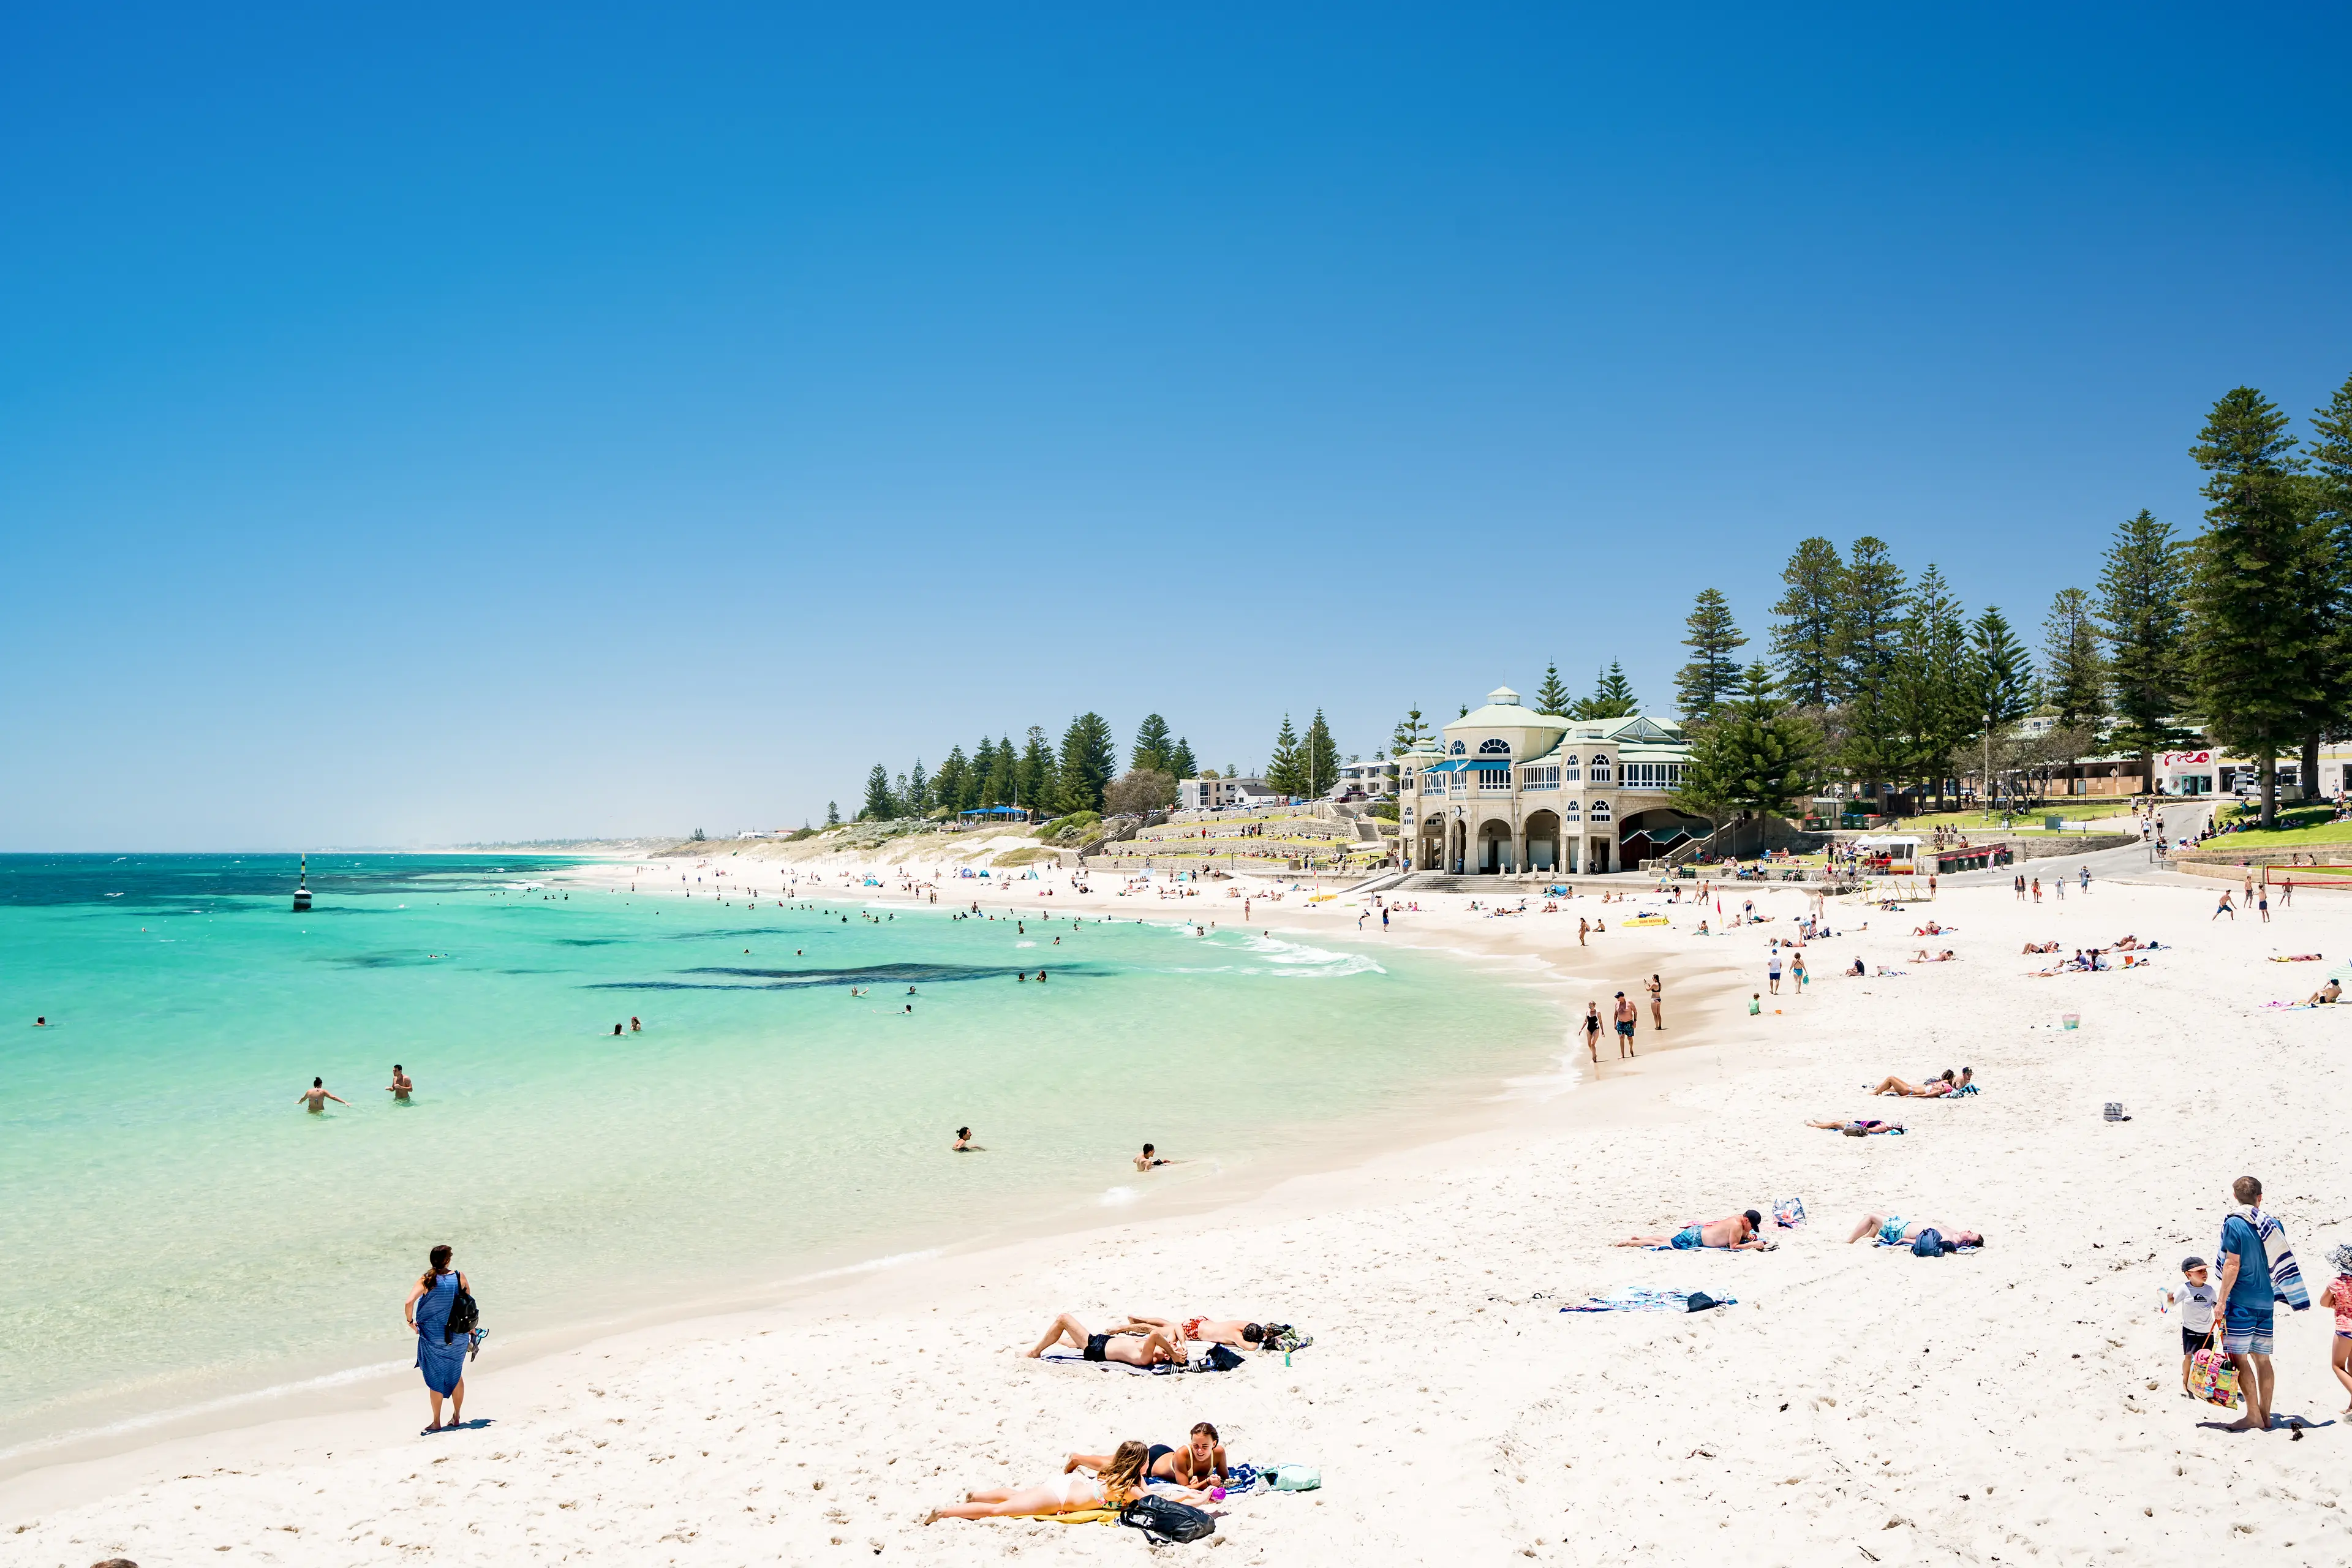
{"x": 2257, "y": 1269}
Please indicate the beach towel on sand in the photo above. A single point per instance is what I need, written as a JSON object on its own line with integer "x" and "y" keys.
{"x": 1639, "y": 1299}
{"x": 1064, "y": 1356}
{"x": 1789, "y": 1213}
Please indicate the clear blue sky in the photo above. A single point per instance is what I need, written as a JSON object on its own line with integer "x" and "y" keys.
{"x": 429, "y": 425}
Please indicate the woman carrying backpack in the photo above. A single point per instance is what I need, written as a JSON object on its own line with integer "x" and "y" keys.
{"x": 442, "y": 1312}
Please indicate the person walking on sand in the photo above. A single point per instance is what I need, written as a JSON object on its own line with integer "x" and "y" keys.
{"x": 441, "y": 1352}
{"x": 400, "y": 1088}
{"x": 316, "y": 1097}
{"x": 2248, "y": 1304}
{"x": 2262, "y": 903}
{"x": 1593, "y": 1030}
{"x": 1657, "y": 1003}
{"x": 1626, "y": 1018}
{"x": 2224, "y": 908}
{"x": 2037, "y": 889}
{"x": 2286, "y": 891}
{"x": 1583, "y": 928}
{"x": 1772, "y": 973}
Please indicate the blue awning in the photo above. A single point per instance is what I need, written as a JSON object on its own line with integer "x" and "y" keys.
{"x": 1489, "y": 764}
{"x": 1453, "y": 767}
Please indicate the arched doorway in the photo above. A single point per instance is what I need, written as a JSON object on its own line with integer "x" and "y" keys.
{"x": 1496, "y": 852}
{"x": 1543, "y": 841}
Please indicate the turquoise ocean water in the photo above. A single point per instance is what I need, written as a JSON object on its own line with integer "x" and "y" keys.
{"x": 180, "y": 1231}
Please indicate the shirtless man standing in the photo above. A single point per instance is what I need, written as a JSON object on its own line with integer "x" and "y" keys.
{"x": 1627, "y": 1017}
{"x": 316, "y": 1096}
{"x": 400, "y": 1088}
{"x": 1741, "y": 1232}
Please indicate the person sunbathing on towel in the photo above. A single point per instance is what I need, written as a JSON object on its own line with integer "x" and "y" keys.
{"x": 1200, "y": 1463}
{"x": 1922, "y": 956}
{"x": 1934, "y": 1089}
{"x": 1117, "y": 1345}
{"x": 2041, "y": 947}
{"x": 1930, "y": 929}
{"x": 1858, "y": 1128}
{"x": 1203, "y": 1330}
{"x": 1119, "y": 1483}
{"x": 1737, "y": 1233}
{"x": 2324, "y": 996}
{"x": 1893, "y": 1230}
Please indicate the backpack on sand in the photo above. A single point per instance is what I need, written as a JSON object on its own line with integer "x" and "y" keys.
{"x": 1164, "y": 1520}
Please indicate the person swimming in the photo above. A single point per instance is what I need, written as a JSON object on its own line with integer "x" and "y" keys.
{"x": 1151, "y": 1157}
{"x": 400, "y": 1088}
{"x": 316, "y": 1096}
{"x": 963, "y": 1143}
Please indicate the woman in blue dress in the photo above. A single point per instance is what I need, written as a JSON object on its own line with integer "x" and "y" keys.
{"x": 440, "y": 1354}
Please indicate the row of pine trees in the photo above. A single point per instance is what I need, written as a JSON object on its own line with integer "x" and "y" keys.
{"x": 2242, "y": 633}
{"x": 1036, "y": 774}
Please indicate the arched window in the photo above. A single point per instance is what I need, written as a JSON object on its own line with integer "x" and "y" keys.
{"x": 1494, "y": 748}
{"x": 1568, "y": 810}
{"x": 1599, "y": 767}
{"x": 1457, "y": 748}
{"x": 1599, "y": 811}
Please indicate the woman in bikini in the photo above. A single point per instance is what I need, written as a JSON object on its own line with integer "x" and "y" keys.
{"x": 1935, "y": 1087}
{"x": 1202, "y": 1330}
{"x": 1200, "y": 1464}
{"x": 1119, "y": 1483}
{"x": 1116, "y": 1345}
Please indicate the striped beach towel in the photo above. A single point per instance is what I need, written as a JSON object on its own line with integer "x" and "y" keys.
{"x": 2287, "y": 1275}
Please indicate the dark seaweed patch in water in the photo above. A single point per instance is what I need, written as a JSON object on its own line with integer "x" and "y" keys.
{"x": 588, "y": 940}
{"x": 802, "y": 979}
{"x": 382, "y": 960}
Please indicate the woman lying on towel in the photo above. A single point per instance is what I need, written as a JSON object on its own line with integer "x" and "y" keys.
{"x": 1120, "y": 1483}
{"x": 1924, "y": 957}
{"x": 1934, "y": 1089}
{"x": 1858, "y": 1128}
{"x": 2041, "y": 947}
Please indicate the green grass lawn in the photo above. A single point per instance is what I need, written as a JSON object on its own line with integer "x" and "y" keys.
{"x": 2299, "y": 826}
{"x": 2074, "y": 808}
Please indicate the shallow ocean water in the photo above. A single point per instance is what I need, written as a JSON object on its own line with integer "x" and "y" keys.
{"x": 179, "y": 1230}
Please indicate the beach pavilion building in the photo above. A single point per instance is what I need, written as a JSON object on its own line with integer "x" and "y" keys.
{"x": 1505, "y": 789}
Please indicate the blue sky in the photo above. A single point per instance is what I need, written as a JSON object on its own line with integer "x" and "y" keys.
{"x": 431, "y": 426}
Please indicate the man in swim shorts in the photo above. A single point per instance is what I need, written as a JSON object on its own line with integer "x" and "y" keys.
{"x": 2250, "y": 1302}
{"x": 1626, "y": 1018}
{"x": 1119, "y": 1345}
{"x": 316, "y": 1096}
{"x": 1741, "y": 1232}
{"x": 400, "y": 1088}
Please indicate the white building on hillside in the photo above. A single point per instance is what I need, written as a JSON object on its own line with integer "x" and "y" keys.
{"x": 1508, "y": 789}
{"x": 1217, "y": 794}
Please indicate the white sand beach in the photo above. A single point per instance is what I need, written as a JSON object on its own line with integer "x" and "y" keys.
{"x": 1857, "y": 1405}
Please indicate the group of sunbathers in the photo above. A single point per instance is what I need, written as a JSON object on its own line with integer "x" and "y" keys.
{"x": 1744, "y": 1232}
{"x": 1934, "y": 1089}
{"x": 1195, "y": 1473}
{"x": 1162, "y": 1339}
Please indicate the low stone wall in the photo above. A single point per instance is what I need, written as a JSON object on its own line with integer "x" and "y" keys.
{"x": 2041, "y": 848}
{"x": 2213, "y": 863}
